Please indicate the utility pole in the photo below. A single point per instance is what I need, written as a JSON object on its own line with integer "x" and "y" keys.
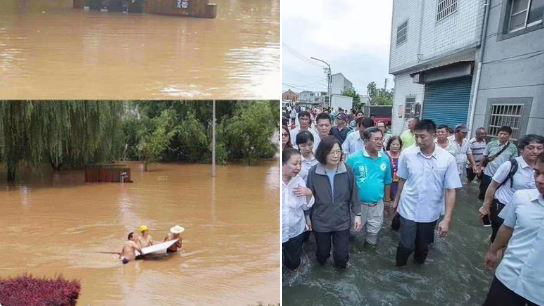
{"x": 213, "y": 141}
{"x": 329, "y": 78}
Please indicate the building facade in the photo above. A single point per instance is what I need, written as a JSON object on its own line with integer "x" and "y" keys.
{"x": 434, "y": 49}
{"x": 289, "y": 96}
{"x": 479, "y": 62}
{"x": 511, "y": 84}
{"x": 339, "y": 84}
{"x": 312, "y": 98}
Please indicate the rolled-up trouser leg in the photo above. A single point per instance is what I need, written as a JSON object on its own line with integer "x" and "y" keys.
{"x": 374, "y": 221}
{"x": 292, "y": 249}
{"x": 424, "y": 236}
{"x": 340, "y": 253}
{"x": 323, "y": 246}
{"x": 407, "y": 241}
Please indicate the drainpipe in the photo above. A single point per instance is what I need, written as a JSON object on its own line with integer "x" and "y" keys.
{"x": 479, "y": 67}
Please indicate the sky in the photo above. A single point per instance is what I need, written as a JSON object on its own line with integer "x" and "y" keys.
{"x": 353, "y": 36}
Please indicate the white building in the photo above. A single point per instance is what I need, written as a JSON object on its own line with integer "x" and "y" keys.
{"x": 434, "y": 47}
{"x": 312, "y": 97}
{"x": 339, "y": 84}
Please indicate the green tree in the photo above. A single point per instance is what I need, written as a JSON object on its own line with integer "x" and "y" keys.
{"x": 154, "y": 136}
{"x": 379, "y": 96}
{"x": 352, "y": 93}
{"x": 61, "y": 133}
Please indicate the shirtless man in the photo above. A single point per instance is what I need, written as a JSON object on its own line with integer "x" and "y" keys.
{"x": 145, "y": 239}
{"x": 130, "y": 247}
{"x": 174, "y": 234}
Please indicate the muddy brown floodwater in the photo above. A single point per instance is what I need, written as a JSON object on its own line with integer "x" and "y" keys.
{"x": 55, "y": 223}
{"x": 48, "y": 50}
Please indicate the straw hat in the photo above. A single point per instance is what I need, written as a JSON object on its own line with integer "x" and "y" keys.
{"x": 177, "y": 229}
{"x": 143, "y": 228}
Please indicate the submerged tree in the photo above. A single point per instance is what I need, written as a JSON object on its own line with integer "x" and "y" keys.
{"x": 61, "y": 133}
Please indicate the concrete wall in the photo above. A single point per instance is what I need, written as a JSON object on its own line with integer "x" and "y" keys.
{"x": 339, "y": 83}
{"x": 512, "y": 68}
{"x": 429, "y": 38}
{"x": 404, "y": 87}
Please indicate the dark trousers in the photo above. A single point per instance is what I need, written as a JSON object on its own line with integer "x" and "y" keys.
{"x": 484, "y": 183}
{"x": 292, "y": 249}
{"x": 499, "y": 294}
{"x": 340, "y": 246}
{"x": 414, "y": 236}
{"x": 496, "y": 221}
{"x": 471, "y": 175}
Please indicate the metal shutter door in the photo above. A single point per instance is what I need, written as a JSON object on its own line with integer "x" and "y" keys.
{"x": 446, "y": 102}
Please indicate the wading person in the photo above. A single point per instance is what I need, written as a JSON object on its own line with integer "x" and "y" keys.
{"x": 519, "y": 277}
{"x": 372, "y": 170}
{"x": 408, "y": 137}
{"x": 495, "y": 154}
{"x": 460, "y": 149}
{"x": 323, "y": 124}
{"x": 295, "y": 199}
{"x": 285, "y": 138}
{"x": 333, "y": 186}
{"x": 144, "y": 239}
{"x": 477, "y": 147}
{"x": 305, "y": 125}
{"x": 305, "y": 143}
{"x": 354, "y": 142}
{"x": 341, "y": 130}
{"x": 174, "y": 233}
{"x": 428, "y": 178}
{"x": 128, "y": 252}
{"x": 514, "y": 175}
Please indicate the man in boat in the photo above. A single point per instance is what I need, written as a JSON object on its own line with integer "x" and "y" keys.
{"x": 144, "y": 239}
{"x": 174, "y": 234}
{"x": 130, "y": 247}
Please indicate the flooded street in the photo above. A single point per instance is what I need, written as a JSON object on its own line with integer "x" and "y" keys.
{"x": 48, "y": 50}
{"x": 453, "y": 274}
{"x": 56, "y": 224}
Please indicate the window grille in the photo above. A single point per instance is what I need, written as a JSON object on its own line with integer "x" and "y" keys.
{"x": 446, "y": 8}
{"x": 402, "y": 33}
{"x": 505, "y": 115}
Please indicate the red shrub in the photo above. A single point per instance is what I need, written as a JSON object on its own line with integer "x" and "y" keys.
{"x": 27, "y": 290}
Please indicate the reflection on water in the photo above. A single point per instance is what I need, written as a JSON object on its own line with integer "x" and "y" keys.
{"x": 230, "y": 244}
{"x": 50, "y": 51}
{"x": 453, "y": 274}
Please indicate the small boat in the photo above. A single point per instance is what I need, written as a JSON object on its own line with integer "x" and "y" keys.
{"x": 159, "y": 248}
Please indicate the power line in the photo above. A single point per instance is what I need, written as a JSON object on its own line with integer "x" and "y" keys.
{"x": 299, "y": 55}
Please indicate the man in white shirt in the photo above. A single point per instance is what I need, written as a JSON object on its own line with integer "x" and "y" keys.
{"x": 305, "y": 123}
{"x": 428, "y": 179}
{"x": 514, "y": 175}
{"x": 354, "y": 142}
{"x": 323, "y": 124}
{"x": 519, "y": 277}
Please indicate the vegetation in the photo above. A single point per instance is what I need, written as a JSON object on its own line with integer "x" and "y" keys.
{"x": 27, "y": 290}
{"x": 379, "y": 96}
{"x": 71, "y": 134}
{"x": 352, "y": 93}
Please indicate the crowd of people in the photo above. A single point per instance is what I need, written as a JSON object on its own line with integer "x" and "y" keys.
{"x": 132, "y": 248}
{"x": 342, "y": 172}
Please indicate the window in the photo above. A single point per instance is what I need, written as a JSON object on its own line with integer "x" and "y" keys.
{"x": 402, "y": 33}
{"x": 525, "y": 13}
{"x": 411, "y": 108}
{"x": 446, "y": 8}
{"x": 505, "y": 114}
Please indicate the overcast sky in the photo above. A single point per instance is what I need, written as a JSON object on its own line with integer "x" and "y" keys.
{"x": 351, "y": 35}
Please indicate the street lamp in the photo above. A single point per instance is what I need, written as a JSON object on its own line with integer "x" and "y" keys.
{"x": 328, "y": 78}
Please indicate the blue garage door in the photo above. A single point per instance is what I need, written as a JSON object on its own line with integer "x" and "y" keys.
{"x": 446, "y": 102}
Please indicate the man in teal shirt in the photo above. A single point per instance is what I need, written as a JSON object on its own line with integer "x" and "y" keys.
{"x": 373, "y": 174}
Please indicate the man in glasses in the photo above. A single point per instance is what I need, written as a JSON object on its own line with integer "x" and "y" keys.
{"x": 373, "y": 175}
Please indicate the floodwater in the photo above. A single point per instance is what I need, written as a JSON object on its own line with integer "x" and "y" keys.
{"x": 453, "y": 274}
{"x": 48, "y": 50}
{"x": 57, "y": 224}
